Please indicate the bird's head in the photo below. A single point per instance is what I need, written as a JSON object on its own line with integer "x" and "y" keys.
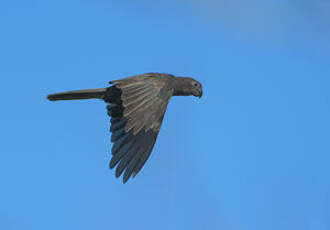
{"x": 196, "y": 88}
{"x": 186, "y": 86}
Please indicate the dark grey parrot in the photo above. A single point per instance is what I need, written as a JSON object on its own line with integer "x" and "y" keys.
{"x": 137, "y": 106}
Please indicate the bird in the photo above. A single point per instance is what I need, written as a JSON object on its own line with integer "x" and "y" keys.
{"x": 136, "y": 105}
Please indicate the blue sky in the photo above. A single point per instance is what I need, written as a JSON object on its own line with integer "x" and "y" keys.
{"x": 253, "y": 153}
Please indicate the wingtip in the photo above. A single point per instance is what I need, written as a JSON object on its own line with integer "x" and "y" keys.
{"x": 126, "y": 178}
{"x": 112, "y": 163}
{"x": 118, "y": 172}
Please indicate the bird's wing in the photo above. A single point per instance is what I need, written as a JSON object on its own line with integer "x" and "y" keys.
{"x": 137, "y": 115}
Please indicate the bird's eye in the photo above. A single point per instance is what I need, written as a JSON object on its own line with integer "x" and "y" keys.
{"x": 195, "y": 84}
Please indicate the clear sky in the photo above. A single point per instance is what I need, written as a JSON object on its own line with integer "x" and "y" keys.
{"x": 252, "y": 154}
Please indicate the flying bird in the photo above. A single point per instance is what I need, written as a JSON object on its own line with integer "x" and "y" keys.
{"x": 137, "y": 107}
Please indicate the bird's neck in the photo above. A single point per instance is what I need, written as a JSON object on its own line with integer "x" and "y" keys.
{"x": 180, "y": 87}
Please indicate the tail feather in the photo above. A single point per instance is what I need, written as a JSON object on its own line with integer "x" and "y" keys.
{"x": 78, "y": 94}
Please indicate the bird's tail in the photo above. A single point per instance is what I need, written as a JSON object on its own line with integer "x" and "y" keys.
{"x": 78, "y": 94}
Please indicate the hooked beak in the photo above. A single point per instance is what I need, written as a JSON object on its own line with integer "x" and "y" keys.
{"x": 200, "y": 93}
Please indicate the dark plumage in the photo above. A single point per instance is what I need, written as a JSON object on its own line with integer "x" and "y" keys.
{"x": 137, "y": 106}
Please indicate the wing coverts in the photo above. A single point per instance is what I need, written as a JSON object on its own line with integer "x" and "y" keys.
{"x": 136, "y": 111}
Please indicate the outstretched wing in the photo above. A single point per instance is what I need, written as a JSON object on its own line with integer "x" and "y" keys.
{"x": 137, "y": 106}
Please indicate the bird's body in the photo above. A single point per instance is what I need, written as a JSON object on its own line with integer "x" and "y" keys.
{"x": 137, "y": 106}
